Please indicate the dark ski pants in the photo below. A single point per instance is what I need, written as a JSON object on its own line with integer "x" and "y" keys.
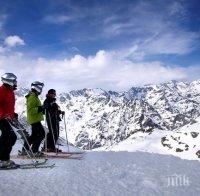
{"x": 7, "y": 140}
{"x": 36, "y": 137}
{"x": 53, "y": 135}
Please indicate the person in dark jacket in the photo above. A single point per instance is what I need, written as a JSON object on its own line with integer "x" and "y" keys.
{"x": 34, "y": 117}
{"x": 52, "y": 114}
{"x": 7, "y": 114}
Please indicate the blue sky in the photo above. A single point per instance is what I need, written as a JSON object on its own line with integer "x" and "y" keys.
{"x": 112, "y": 44}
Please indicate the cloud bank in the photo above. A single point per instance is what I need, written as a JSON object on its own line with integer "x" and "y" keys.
{"x": 106, "y": 70}
{"x": 131, "y": 45}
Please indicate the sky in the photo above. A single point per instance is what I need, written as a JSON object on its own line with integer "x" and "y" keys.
{"x": 113, "y": 45}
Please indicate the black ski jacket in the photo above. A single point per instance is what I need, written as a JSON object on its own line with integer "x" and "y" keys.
{"x": 53, "y": 111}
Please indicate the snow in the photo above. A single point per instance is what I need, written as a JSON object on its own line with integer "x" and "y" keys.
{"x": 178, "y": 138}
{"x": 142, "y": 142}
{"x": 107, "y": 173}
{"x": 137, "y": 165}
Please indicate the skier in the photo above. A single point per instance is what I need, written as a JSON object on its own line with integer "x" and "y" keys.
{"x": 34, "y": 117}
{"x": 52, "y": 113}
{"x": 7, "y": 107}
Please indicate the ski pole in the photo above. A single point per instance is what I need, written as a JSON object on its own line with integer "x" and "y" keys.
{"x": 45, "y": 140}
{"x": 57, "y": 129}
{"x": 66, "y": 132}
{"x": 33, "y": 158}
{"x": 51, "y": 127}
{"x": 21, "y": 114}
{"x": 26, "y": 140}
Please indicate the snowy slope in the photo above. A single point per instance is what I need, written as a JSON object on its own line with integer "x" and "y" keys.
{"x": 141, "y": 142}
{"x": 183, "y": 142}
{"x": 107, "y": 173}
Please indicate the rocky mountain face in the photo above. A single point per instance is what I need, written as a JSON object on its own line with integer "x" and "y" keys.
{"x": 184, "y": 141}
{"x": 97, "y": 118}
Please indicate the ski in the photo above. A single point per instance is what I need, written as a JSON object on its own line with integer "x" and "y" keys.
{"x": 50, "y": 155}
{"x": 42, "y": 158}
{"x": 33, "y": 166}
{"x": 65, "y": 152}
{"x": 28, "y": 166}
{"x": 72, "y": 152}
{"x": 10, "y": 168}
{"x": 38, "y": 162}
{"x": 63, "y": 156}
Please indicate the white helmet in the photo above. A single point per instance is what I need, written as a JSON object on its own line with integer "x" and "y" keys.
{"x": 9, "y": 78}
{"x": 37, "y": 86}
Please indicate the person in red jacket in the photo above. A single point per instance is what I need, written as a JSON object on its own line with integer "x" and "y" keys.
{"x": 7, "y": 107}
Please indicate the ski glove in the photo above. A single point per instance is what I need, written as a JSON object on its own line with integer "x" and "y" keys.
{"x": 62, "y": 113}
{"x": 41, "y": 109}
{"x": 16, "y": 116}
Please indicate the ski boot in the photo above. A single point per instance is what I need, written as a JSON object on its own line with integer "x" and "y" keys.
{"x": 9, "y": 164}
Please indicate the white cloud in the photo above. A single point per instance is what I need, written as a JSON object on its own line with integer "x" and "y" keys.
{"x": 159, "y": 38}
{"x": 153, "y": 32}
{"x": 57, "y": 19}
{"x": 75, "y": 49}
{"x": 12, "y": 41}
{"x": 114, "y": 29}
{"x": 175, "y": 42}
{"x": 177, "y": 8}
{"x": 105, "y": 70}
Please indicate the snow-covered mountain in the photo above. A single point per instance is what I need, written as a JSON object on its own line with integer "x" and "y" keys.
{"x": 97, "y": 118}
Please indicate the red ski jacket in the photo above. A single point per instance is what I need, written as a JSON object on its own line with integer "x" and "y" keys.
{"x": 7, "y": 102}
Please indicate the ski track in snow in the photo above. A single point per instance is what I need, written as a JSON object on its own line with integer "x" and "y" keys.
{"x": 106, "y": 173}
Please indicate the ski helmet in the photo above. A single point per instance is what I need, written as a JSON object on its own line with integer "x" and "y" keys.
{"x": 37, "y": 86}
{"x": 10, "y": 79}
